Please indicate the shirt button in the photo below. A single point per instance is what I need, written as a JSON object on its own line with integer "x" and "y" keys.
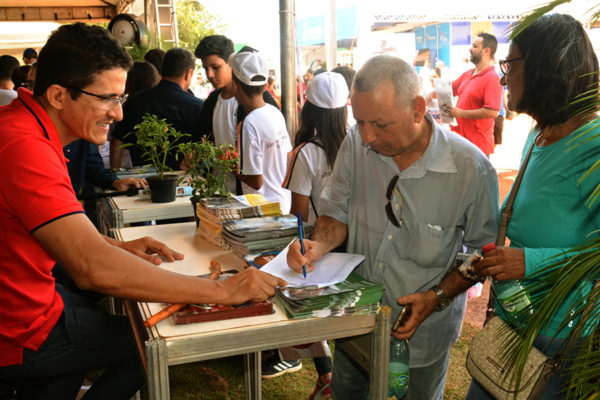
{"x": 397, "y": 206}
{"x": 380, "y": 265}
{"x": 389, "y": 237}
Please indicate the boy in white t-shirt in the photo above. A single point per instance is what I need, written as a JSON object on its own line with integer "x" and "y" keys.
{"x": 221, "y": 112}
{"x": 262, "y": 138}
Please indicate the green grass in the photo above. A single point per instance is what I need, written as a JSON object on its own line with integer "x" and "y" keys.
{"x": 223, "y": 379}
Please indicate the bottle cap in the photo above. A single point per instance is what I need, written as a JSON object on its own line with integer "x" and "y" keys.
{"x": 488, "y": 247}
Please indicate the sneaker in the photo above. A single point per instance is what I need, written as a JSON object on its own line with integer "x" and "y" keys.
{"x": 322, "y": 391}
{"x": 274, "y": 367}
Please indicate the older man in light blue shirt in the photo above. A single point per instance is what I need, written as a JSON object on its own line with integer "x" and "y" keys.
{"x": 407, "y": 194}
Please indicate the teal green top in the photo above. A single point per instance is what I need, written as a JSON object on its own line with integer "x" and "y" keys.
{"x": 550, "y": 215}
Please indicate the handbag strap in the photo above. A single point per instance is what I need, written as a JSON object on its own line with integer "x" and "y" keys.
{"x": 505, "y": 215}
{"x": 507, "y": 210}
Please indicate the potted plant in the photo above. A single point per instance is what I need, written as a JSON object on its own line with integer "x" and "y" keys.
{"x": 210, "y": 167}
{"x": 157, "y": 139}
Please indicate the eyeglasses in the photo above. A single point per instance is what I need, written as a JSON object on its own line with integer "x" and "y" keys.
{"x": 505, "y": 64}
{"x": 389, "y": 209}
{"x": 108, "y": 102}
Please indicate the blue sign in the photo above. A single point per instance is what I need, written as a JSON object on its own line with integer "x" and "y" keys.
{"x": 443, "y": 53}
{"x": 502, "y": 31}
{"x": 460, "y": 33}
{"x": 346, "y": 26}
{"x": 312, "y": 30}
{"x": 420, "y": 38}
{"x": 431, "y": 36}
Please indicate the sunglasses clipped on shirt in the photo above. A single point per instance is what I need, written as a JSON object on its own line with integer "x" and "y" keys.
{"x": 389, "y": 208}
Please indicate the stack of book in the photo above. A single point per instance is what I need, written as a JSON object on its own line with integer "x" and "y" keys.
{"x": 261, "y": 234}
{"x": 353, "y": 296}
{"x": 213, "y": 211}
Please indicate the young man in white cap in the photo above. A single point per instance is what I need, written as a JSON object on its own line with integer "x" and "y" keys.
{"x": 221, "y": 112}
{"x": 262, "y": 139}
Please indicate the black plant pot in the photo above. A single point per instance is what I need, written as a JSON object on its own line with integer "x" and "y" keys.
{"x": 162, "y": 190}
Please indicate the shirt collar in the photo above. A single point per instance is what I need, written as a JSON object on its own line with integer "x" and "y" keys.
{"x": 42, "y": 119}
{"x": 484, "y": 71}
{"x": 171, "y": 85}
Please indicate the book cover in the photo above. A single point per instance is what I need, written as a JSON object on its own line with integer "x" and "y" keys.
{"x": 355, "y": 295}
{"x": 239, "y": 207}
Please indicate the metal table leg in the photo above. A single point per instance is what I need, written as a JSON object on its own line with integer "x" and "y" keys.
{"x": 158, "y": 369}
{"x": 252, "y": 377}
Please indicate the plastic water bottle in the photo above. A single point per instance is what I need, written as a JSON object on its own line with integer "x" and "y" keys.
{"x": 398, "y": 369}
{"x": 511, "y": 295}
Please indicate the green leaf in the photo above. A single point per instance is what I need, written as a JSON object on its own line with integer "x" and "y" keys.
{"x": 211, "y": 167}
{"x": 157, "y": 138}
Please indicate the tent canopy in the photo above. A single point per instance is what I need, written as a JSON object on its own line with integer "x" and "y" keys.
{"x": 61, "y": 10}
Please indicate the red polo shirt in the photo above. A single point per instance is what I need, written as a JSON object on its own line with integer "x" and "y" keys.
{"x": 478, "y": 91}
{"x": 35, "y": 189}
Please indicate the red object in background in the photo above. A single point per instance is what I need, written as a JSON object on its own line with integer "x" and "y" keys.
{"x": 488, "y": 247}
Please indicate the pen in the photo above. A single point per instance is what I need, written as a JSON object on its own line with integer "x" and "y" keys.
{"x": 300, "y": 234}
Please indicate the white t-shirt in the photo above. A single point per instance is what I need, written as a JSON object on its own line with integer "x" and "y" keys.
{"x": 264, "y": 146}
{"x": 224, "y": 120}
{"x": 225, "y": 126}
{"x": 6, "y": 96}
{"x": 308, "y": 174}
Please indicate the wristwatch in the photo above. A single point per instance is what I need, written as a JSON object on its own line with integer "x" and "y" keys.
{"x": 444, "y": 300}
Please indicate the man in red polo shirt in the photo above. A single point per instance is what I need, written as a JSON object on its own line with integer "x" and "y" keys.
{"x": 479, "y": 96}
{"x": 49, "y": 337}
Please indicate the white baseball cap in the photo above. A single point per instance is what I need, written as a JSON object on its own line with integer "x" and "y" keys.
{"x": 327, "y": 90}
{"x": 249, "y": 67}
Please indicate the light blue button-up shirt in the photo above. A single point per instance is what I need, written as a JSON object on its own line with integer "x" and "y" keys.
{"x": 449, "y": 199}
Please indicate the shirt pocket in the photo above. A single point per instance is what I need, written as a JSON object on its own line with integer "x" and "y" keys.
{"x": 432, "y": 245}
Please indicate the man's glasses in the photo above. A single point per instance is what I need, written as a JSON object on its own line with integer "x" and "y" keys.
{"x": 389, "y": 208}
{"x": 108, "y": 102}
{"x": 505, "y": 64}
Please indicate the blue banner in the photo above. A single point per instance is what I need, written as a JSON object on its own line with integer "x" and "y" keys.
{"x": 312, "y": 30}
{"x": 431, "y": 36}
{"x": 501, "y": 31}
{"x": 460, "y": 33}
{"x": 346, "y": 26}
{"x": 443, "y": 53}
{"x": 420, "y": 37}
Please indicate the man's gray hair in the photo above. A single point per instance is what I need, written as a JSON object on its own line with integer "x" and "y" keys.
{"x": 382, "y": 68}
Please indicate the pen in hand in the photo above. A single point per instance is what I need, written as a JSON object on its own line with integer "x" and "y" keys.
{"x": 301, "y": 236}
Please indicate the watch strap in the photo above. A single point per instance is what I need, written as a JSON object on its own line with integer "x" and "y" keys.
{"x": 442, "y": 296}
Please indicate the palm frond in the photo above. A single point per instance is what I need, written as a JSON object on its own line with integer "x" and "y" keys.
{"x": 570, "y": 276}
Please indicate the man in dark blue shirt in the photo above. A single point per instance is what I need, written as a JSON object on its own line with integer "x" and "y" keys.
{"x": 86, "y": 166}
{"x": 169, "y": 99}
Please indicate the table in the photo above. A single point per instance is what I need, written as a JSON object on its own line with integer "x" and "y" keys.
{"x": 115, "y": 212}
{"x": 168, "y": 344}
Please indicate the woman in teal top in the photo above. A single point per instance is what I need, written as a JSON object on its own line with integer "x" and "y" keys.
{"x": 549, "y": 64}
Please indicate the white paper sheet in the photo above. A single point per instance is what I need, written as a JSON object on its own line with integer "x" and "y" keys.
{"x": 331, "y": 269}
{"x": 443, "y": 89}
